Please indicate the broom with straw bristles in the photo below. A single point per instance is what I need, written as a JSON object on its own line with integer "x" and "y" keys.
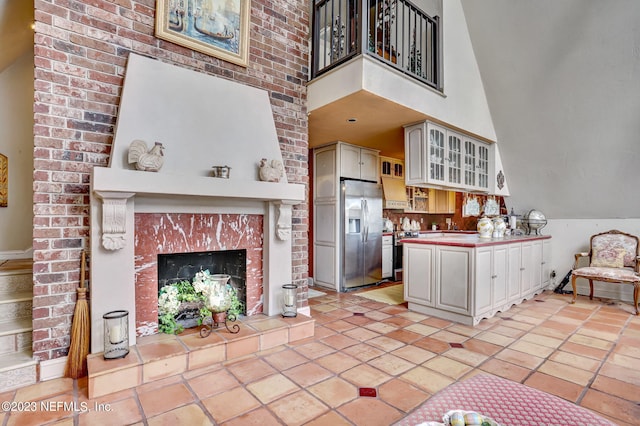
{"x": 80, "y": 330}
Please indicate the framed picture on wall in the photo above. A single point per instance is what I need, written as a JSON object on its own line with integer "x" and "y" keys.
{"x": 218, "y": 28}
{"x": 4, "y": 181}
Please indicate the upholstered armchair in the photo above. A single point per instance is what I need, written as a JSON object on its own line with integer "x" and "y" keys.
{"x": 614, "y": 257}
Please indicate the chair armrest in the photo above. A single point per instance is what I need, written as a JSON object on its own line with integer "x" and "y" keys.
{"x": 578, "y": 256}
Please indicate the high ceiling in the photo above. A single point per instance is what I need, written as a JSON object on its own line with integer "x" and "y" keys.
{"x": 16, "y": 35}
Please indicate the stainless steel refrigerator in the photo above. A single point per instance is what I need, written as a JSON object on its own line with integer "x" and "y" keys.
{"x": 361, "y": 205}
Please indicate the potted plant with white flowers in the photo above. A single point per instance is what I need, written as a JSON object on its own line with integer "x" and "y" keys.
{"x": 210, "y": 295}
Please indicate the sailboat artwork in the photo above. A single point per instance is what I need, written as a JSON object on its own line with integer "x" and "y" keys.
{"x": 216, "y": 27}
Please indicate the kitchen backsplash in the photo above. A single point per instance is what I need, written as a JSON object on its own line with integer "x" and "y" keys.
{"x": 457, "y": 221}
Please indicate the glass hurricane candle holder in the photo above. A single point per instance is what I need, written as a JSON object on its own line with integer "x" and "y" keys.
{"x": 116, "y": 334}
{"x": 289, "y": 300}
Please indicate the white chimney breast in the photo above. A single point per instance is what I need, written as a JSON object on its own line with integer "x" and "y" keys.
{"x": 201, "y": 120}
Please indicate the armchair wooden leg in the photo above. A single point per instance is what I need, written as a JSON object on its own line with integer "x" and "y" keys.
{"x": 590, "y": 289}
{"x": 573, "y": 285}
{"x": 636, "y": 290}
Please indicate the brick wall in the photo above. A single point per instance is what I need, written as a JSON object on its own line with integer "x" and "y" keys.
{"x": 81, "y": 49}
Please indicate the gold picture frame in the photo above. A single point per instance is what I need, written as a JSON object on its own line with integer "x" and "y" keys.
{"x": 4, "y": 181}
{"x": 218, "y": 28}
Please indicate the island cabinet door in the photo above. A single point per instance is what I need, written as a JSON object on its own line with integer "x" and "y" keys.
{"x": 526, "y": 277}
{"x": 536, "y": 266}
{"x": 546, "y": 264}
{"x": 483, "y": 288}
{"x": 418, "y": 274}
{"x": 515, "y": 274}
{"x": 499, "y": 275}
{"x": 453, "y": 279}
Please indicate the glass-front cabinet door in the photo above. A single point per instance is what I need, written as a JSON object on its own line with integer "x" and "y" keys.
{"x": 476, "y": 164}
{"x": 436, "y": 154}
{"x": 483, "y": 166}
{"x": 469, "y": 164}
{"x": 454, "y": 159}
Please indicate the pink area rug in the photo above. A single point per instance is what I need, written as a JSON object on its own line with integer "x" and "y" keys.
{"x": 508, "y": 403}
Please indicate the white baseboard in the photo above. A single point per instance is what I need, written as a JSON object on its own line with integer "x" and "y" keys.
{"x": 16, "y": 254}
{"x": 52, "y": 368}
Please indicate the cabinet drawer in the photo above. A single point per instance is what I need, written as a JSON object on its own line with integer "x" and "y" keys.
{"x": 387, "y": 240}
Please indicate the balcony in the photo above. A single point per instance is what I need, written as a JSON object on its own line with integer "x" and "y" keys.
{"x": 395, "y": 32}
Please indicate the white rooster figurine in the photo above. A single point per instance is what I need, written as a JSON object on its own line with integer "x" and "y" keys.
{"x": 146, "y": 160}
{"x": 271, "y": 171}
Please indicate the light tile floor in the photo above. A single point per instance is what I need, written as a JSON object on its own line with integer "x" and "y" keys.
{"x": 587, "y": 353}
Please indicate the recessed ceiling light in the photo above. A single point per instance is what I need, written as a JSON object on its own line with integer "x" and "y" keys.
{"x": 352, "y": 120}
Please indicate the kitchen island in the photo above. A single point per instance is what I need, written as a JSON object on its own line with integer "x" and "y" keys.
{"x": 466, "y": 278}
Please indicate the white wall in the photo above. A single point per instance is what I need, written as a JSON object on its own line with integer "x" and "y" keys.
{"x": 562, "y": 81}
{"x": 16, "y": 142}
{"x": 571, "y": 236}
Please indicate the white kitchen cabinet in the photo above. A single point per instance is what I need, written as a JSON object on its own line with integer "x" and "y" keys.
{"x": 330, "y": 163}
{"x": 491, "y": 275}
{"x": 391, "y": 167}
{"x": 531, "y": 267}
{"x": 453, "y": 273}
{"x": 437, "y": 156}
{"x": 546, "y": 264}
{"x": 471, "y": 282}
{"x": 514, "y": 279}
{"x": 418, "y": 280}
{"x": 476, "y": 164}
{"x": 387, "y": 256}
{"x": 358, "y": 163}
{"x": 536, "y": 265}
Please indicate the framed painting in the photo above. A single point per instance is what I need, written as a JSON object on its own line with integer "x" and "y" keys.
{"x": 4, "y": 181}
{"x": 218, "y": 28}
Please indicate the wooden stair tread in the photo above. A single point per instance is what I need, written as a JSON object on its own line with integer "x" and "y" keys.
{"x": 16, "y": 265}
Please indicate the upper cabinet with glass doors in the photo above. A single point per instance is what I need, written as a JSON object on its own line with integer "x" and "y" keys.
{"x": 437, "y": 156}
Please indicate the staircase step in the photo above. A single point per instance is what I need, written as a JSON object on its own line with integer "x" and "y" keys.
{"x": 16, "y": 281}
{"x": 15, "y": 310}
{"x": 17, "y": 370}
{"x": 15, "y": 326}
{"x": 16, "y": 296}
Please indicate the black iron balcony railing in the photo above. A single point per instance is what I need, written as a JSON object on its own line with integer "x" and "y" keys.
{"x": 393, "y": 31}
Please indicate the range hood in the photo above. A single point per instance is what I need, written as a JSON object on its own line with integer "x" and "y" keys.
{"x": 395, "y": 193}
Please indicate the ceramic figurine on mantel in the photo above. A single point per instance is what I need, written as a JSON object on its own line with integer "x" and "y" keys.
{"x": 271, "y": 171}
{"x": 148, "y": 160}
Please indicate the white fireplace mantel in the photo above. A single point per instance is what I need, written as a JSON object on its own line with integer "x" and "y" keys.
{"x": 151, "y": 183}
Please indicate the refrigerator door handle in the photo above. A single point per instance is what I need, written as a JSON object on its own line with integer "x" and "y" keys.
{"x": 366, "y": 220}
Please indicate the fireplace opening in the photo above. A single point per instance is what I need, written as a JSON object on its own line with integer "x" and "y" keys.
{"x": 176, "y": 267}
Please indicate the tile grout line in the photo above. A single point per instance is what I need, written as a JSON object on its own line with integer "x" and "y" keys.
{"x": 603, "y": 360}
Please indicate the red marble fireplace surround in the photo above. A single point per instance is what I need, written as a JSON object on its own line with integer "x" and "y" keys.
{"x": 168, "y": 233}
